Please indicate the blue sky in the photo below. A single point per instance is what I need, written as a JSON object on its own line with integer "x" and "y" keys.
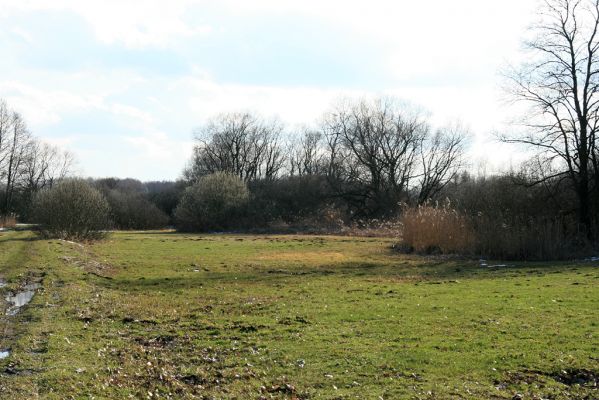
{"x": 122, "y": 84}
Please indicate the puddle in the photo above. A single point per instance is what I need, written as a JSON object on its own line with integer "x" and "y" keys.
{"x": 485, "y": 264}
{"x": 4, "y": 354}
{"x": 2, "y": 283}
{"x": 20, "y": 299}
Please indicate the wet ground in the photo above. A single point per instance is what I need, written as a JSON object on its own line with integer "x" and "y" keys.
{"x": 20, "y": 299}
{"x": 15, "y": 301}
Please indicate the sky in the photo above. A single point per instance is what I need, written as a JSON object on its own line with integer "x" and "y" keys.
{"x": 123, "y": 84}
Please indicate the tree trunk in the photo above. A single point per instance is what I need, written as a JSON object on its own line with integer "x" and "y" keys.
{"x": 584, "y": 213}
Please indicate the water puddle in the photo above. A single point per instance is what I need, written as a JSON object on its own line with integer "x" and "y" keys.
{"x": 20, "y": 299}
{"x": 484, "y": 264}
{"x": 15, "y": 303}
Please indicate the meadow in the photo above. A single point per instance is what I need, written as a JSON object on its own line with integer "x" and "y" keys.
{"x": 169, "y": 315}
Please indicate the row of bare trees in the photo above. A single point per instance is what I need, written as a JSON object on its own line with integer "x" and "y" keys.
{"x": 373, "y": 153}
{"x": 26, "y": 163}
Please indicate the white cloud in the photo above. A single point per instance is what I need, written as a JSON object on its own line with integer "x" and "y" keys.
{"x": 130, "y": 22}
{"x": 131, "y": 112}
{"x": 292, "y": 104}
{"x": 158, "y": 146}
{"x": 438, "y": 54}
{"x": 44, "y": 107}
{"x": 139, "y": 24}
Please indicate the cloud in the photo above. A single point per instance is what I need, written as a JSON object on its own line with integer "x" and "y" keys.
{"x": 142, "y": 74}
{"x": 131, "y": 112}
{"x": 158, "y": 146}
{"x": 293, "y": 105}
{"x": 132, "y": 23}
{"x": 42, "y": 107}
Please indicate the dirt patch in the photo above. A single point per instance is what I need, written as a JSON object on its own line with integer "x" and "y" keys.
{"x": 291, "y": 321}
{"x": 246, "y": 328}
{"x": 306, "y": 256}
{"x": 91, "y": 266}
{"x": 570, "y": 377}
{"x": 582, "y": 377}
{"x": 158, "y": 341}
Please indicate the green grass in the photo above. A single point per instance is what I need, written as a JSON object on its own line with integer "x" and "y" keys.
{"x": 159, "y": 315}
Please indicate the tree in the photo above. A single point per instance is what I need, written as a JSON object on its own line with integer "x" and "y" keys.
{"x": 561, "y": 86}
{"x": 306, "y": 154}
{"x": 241, "y": 144}
{"x": 19, "y": 141}
{"x": 27, "y": 165}
{"x": 373, "y": 152}
{"x": 442, "y": 157}
{"x": 43, "y": 165}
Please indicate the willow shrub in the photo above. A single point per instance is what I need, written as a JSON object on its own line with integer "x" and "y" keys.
{"x": 215, "y": 202}
{"x": 73, "y": 210}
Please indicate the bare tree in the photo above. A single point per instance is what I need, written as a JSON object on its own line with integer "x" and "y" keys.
{"x": 26, "y": 164}
{"x": 374, "y": 146}
{"x": 20, "y": 139}
{"x": 307, "y": 154}
{"x": 238, "y": 143}
{"x": 561, "y": 86}
{"x": 442, "y": 158}
{"x": 5, "y": 135}
{"x": 43, "y": 165}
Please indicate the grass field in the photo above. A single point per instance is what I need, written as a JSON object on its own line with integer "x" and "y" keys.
{"x": 164, "y": 315}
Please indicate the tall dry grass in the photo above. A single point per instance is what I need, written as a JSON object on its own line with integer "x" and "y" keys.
{"x": 8, "y": 221}
{"x": 436, "y": 229}
{"x": 442, "y": 229}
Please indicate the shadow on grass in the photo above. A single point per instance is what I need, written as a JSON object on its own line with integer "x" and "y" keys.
{"x": 432, "y": 272}
{"x": 33, "y": 238}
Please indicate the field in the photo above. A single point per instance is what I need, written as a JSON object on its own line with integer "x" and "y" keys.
{"x": 165, "y": 315}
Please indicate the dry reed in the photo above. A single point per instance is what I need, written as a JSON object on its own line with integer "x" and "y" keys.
{"x": 8, "y": 221}
{"x": 436, "y": 229}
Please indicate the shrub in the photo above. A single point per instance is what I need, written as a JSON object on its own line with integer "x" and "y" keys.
{"x": 428, "y": 229}
{"x": 165, "y": 195}
{"x": 73, "y": 210}
{"x": 133, "y": 211}
{"x": 215, "y": 202}
{"x": 291, "y": 201}
{"x": 509, "y": 237}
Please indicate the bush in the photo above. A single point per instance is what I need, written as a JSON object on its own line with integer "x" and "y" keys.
{"x": 428, "y": 229}
{"x": 133, "y": 211}
{"x": 72, "y": 210}
{"x": 509, "y": 237}
{"x": 165, "y": 195}
{"x": 215, "y": 202}
{"x": 290, "y": 200}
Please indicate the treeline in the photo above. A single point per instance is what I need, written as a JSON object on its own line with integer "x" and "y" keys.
{"x": 27, "y": 165}
{"x": 364, "y": 159}
{"x": 376, "y": 165}
{"x": 139, "y": 205}
{"x": 373, "y": 161}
